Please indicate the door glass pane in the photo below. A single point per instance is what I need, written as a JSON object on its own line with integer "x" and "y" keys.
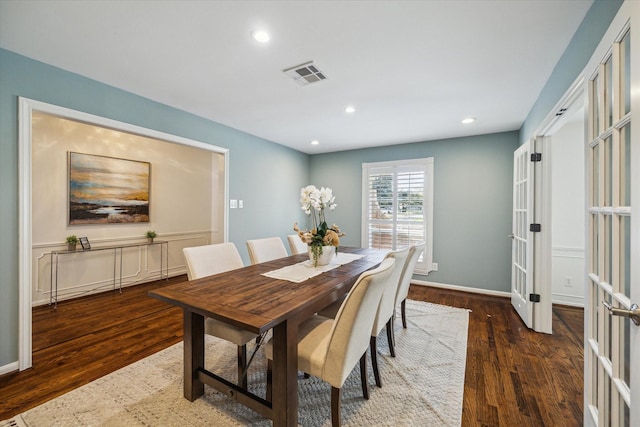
{"x": 608, "y": 93}
{"x": 596, "y": 245}
{"x": 607, "y": 326}
{"x": 608, "y": 171}
{"x": 595, "y": 182}
{"x": 608, "y": 253}
{"x": 625, "y": 255}
{"x": 626, "y": 353}
{"x": 593, "y": 396}
{"x": 625, "y": 67}
{"x": 625, "y": 166}
{"x": 607, "y": 399}
{"x": 625, "y": 417}
{"x": 595, "y": 105}
{"x": 593, "y": 326}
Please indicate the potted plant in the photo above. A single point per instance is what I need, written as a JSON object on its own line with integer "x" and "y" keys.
{"x": 72, "y": 241}
{"x": 322, "y": 239}
{"x": 150, "y": 236}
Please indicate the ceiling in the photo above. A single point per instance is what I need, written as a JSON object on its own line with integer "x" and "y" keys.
{"x": 412, "y": 69}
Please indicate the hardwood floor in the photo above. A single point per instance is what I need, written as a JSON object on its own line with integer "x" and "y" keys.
{"x": 514, "y": 377}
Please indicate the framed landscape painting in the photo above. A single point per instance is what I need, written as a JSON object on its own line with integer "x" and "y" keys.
{"x": 104, "y": 190}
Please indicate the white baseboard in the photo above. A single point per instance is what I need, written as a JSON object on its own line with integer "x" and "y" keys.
{"x": 11, "y": 367}
{"x": 462, "y": 288}
{"x": 570, "y": 300}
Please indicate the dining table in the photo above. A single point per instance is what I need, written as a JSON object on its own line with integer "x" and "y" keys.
{"x": 256, "y": 299}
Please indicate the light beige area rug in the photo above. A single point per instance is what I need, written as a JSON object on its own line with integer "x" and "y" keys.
{"x": 422, "y": 386}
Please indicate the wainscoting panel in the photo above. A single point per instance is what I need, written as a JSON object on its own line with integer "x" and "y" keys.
{"x": 84, "y": 273}
{"x": 568, "y": 275}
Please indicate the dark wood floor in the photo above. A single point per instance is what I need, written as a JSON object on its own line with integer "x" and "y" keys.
{"x": 514, "y": 377}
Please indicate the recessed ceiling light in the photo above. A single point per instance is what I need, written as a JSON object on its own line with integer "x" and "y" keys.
{"x": 350, "y": 109}
{"x": 468, "y": 120}
{"x": 315, "y": 142}
{"x": 260, "y": 36}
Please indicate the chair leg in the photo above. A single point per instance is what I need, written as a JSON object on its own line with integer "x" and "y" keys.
{"x": 363, "y": 376}
{"x": 242, "y": 365}
{"x": 269, "y": 392}
{"x": 391, "y": 337}
{"x": 404, "y": 313}
{"x": 335, "y": 406}
{"x": 374, "y": 360}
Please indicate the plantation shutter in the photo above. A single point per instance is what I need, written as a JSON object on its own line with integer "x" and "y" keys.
{"x": 397, "y": 208}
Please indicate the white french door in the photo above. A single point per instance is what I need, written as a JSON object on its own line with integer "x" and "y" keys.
{"x": 612, "y": 342}
{"x": 522, "y": 241}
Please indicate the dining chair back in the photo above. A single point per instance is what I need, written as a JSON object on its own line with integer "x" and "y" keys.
{"x": 296, "y": 245}
{"x": 349, "y": 338}
{"x": 208, "y": 260}
{"x": 407, "y": 274}
{"x": 384, "y": 315}
{"x": 330, "y": 348}
{"x": 263, "y": 250}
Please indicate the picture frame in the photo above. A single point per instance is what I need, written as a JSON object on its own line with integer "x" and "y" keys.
{"x": 85, "y": 243}
{"x": 107, "y": 190}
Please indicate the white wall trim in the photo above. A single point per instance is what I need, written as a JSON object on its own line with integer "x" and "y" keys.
{"x": 570, "y": 300}
{"x": 24, "y": 234}
{"x": 567, "y": 252}
{"x": 8, "y": 368}
{"x": 462, "y": 288}
{"x": 25, "y": 108}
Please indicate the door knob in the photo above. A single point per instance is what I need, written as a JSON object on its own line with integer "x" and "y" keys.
{"x": 511, "y": 236}
{"x": 633, "y": 314}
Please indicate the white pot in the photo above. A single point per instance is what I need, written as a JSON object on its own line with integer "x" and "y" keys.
{"x": 328, "y": 253}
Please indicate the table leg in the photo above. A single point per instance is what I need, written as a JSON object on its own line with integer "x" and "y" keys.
{"x": 285, "y": 374}
{"x": 193, "y": 354}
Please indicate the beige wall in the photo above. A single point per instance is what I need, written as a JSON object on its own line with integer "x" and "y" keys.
{"x": 186, "y": 206}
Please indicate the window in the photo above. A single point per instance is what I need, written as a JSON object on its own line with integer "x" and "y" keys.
{"x": 397, "y": 206}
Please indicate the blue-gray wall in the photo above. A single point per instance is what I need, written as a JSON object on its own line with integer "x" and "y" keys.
{"x": 573, "y": 60}
{"x": 270, "y": 193}
{"x": 472, "y": 203}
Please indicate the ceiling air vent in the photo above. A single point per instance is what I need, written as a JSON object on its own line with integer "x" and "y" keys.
{"x": 305, "y": 74}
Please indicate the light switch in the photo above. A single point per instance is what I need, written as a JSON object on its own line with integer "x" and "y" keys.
{"x": 233, "y": 204}
{"x": 240, "y": 204}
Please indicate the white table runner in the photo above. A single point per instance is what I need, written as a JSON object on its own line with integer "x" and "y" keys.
{"x": 305, "y": 270}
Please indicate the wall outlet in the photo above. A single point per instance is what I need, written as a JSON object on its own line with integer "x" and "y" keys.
{"x": 568, "y": 281}
{"x": 434, "y": 266}
{"x": 240, "y": 204}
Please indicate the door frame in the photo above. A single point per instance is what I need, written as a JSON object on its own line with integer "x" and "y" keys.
{"x": 25, "y": 276}
{"x": 543, "y": 250}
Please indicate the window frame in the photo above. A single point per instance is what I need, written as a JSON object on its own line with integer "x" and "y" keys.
{"x": 426, "y": 165}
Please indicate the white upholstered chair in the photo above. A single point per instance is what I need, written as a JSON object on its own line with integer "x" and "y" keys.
{"x": 403, "y": 288}
{"x": 208, "y": 260}
{"x": 384, "y": 315}
{"x": 330, "y": 348}
{"x": 296, "y": 245}
{"x": 263, "y": 250}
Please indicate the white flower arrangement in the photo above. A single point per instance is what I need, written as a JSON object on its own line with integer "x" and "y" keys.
{"x": 315, "y": 202}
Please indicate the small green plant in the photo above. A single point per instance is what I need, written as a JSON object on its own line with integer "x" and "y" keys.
{"x": 151, "y": 234}
{"x": 72, "y": 240}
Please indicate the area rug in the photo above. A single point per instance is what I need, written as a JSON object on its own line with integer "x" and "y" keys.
{"x": 422, "y": 386}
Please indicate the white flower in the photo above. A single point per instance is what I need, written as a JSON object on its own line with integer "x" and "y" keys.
{"x": 312, "y": 199}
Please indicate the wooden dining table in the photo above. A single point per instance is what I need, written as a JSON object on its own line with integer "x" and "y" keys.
{"x": 247, "y": 299}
